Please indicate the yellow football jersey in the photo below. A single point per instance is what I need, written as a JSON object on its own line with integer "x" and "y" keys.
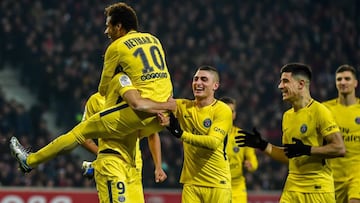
{"x": 205, "y": 130}
{"x": 95, "y": 104}
{"x": 142, "y": 58}
{"x": 311, "y": 125}
{"x": 237, "y": 156}
{"x": 348, "y": 119}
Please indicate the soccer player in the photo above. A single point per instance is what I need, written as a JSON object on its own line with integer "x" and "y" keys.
{"x": 310, "y": 137}
{"x": 239, "y": 158}
{"x": 141, "y": 57}
{"x": 346, "y": 110}
{"x": 203, "y": 124}
{"x": 134, "y": 185}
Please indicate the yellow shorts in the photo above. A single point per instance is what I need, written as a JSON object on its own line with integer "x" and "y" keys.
{"x": 346, "y": 190}
{"x": 116, "y": 122}
{"x": 199, "y": 194}
{"x": 117, "y": 181}
{"x": 301, "y": 197}
{"x": 239, "y": 193}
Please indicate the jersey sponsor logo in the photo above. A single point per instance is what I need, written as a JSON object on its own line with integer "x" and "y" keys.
{"x": 303, "y": 128}
{"x": 220, "y": 130}
{"x": 125, "y": 81}
{"x": 330, "y": 128}
{"x": 344, "y": 130}
{"x": 357, "y": 120}
{"x": 150, "y": 76}
{"x": 207, "y": 123}
{"x": 352, "y": 138}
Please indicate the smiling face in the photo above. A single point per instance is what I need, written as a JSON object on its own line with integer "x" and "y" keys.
{"x": 112, "y": 31}
{"x": 346, "y": 82}
{"x": 289, "y": 86}
{"x": 204, "y": 84}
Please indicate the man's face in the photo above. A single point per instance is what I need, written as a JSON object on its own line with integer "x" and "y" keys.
{"x": 204, "y": 84}
{"x": 345, "y": 82}
{"x": 289, "y": 86}
{"x": 112, "y": 31}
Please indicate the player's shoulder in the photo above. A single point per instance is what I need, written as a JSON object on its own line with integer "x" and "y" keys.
{"x": 184, "y": 102}
{"x": 330, "y": 102}
{"x": 96, "y": 96}
{"x": 222, "y": 106}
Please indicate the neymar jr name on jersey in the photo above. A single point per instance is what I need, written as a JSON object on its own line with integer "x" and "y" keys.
{"x": 133, "y": 42}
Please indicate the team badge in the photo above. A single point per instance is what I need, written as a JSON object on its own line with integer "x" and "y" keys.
{"x": 357, "y": 120}
{"x": 303, "y": 128}
{"x": 236, "y": 149}
{"x": 207, "y": 123}
{"x": 125, "y": 81}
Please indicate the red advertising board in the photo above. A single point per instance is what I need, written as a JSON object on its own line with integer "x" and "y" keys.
{"x": 43, "y": 195}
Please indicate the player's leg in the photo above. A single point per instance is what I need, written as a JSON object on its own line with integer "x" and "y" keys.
{"x": 239, "y": 193}
{"x": 110, "y": 123}
{"x": 190, "y": 194}
{"x": 116, "y": 181}
{"x": 341, "y": 191}
{"x": 354, "y": 189}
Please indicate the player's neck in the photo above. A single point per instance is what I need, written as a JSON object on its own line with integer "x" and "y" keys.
{"x": 347, "y": 99}
{"x": 302, "y": 102}
{"x": 201, "y": 102}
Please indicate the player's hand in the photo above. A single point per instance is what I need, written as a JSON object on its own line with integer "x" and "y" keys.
{"x": 174, "y": 126}
{"x": 248, "y": 139}
{"x": 248, "y": 165}
{"x": 160, "y": 175}
{"x": 172, "y": 104}
{"x": 163, "y": 119}
{"x": 297, "y": 149}
{"x": 88, "y": 170}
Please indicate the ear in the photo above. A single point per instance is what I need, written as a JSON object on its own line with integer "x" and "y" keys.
{"x": 118, "y": 26}
{"x": 302, "y": 84}
{"x": 356, "y": 83}
{"x": 216, "y": 86}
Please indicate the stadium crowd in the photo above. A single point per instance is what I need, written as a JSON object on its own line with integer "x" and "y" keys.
{"x": 58, "y": 48}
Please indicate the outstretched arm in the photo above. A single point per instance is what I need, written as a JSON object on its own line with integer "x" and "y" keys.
{"x": 136, "y": 102}
{"x": 254, "y": 140}
{"x": 155, "y": 149}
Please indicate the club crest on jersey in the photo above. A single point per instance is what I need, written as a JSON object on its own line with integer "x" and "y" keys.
{"x": 303, "y": 128}
{"x": 357, "y": 120}
{"x": 236, "y": 149}
{"x": 207, "y": 123}
{"x": 125, "y": 81}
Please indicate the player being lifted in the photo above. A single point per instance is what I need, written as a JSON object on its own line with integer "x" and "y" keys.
{"x": 142, "y": 58}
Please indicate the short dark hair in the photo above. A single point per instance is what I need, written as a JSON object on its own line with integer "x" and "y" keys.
{"x": 346, "y": 67}
{"x": 297, "y": 69}
{"x": 228, "y": 100}
{"x": 123, "y": 14}
{"x": 211, "y": 69}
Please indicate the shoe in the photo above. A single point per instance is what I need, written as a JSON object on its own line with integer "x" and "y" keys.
{"x": 88, "y": 169}
{"x": 20, "y": 154}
